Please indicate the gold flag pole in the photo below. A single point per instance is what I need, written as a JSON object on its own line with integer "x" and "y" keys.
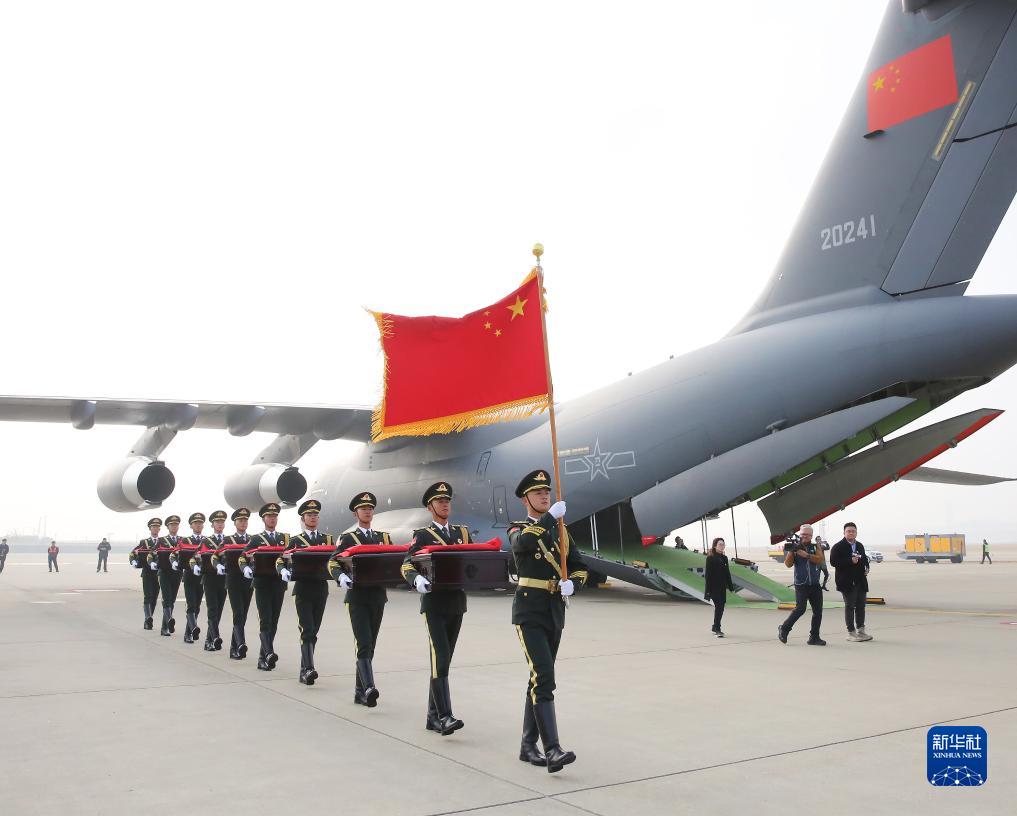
{"x": 538, "y": 250}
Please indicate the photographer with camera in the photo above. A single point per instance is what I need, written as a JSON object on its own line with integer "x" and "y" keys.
{"x": 802, "y": 555}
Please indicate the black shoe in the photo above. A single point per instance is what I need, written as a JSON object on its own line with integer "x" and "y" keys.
{"x": 188, "y": 636}
{"x": 196, "y": 632}
{"x": 528, "y": 750}
{"x": 209, "y": 647}
{"x": 308, "y": 676}
{"x": 263, "y": 664}
{"x": 272, "y": 659}
{"x": 217, "y": 644}
{"x": 719, "y": 633}
{"x": 365, "y": 683}
{"x": 242, "y": 650}
{"x": 149, "y": 623}
{"x": 816, "y": 641}
{"x": 234, "y": 654}
{"x": 172, "y": 625}
{"x": 781, "y": 634}
{"x": 547, "y": 725}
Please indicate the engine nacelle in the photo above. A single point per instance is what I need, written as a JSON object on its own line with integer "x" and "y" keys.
{"x": 258, "y": 485}
{"x": 135, "y": 483}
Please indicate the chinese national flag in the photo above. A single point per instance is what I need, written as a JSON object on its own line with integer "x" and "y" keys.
{"x": 918, "y": 82}
{"x": 494, "y": 359}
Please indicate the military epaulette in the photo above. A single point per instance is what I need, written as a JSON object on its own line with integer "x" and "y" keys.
{"x": 536, "y": 529}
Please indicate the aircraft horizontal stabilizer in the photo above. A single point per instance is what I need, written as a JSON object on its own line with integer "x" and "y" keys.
{"x": 954, "y": 477}
{"x": 697, "y": 492}
{"x": 239, "y": 419}
{"x": 817, "y": 496}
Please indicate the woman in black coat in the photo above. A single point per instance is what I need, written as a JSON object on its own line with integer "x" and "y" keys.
{"x": 718, "y": 581}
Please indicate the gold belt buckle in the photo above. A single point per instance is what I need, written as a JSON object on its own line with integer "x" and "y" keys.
{"x": 552, "y": 585}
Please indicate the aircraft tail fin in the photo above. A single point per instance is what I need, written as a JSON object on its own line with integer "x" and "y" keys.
{"x": 921, "y": 171}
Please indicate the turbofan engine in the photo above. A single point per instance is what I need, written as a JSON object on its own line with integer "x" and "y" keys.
{"x": 258, "y": 485}
{"x": 134, "y": 484}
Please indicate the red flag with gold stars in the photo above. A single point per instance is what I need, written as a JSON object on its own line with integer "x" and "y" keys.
{"x": 494, "y": 359}
{"x": 916, "y": 83}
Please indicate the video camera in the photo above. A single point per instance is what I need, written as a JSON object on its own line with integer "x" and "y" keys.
{"x": 794, "y": 542}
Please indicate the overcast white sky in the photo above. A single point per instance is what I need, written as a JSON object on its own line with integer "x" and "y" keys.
{"x": 198, "y": 201}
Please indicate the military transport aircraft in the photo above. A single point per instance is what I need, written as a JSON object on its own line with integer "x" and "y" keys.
{"x": 915, "y": 184}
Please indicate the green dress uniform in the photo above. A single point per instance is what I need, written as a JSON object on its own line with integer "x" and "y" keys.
{"x": 538, "y": 614}
{"x": 443, "y": 612}
{"x": 365, "y": 605}
{"x": 169, "y": 580}
{"x": 192, "y": 590}
{"x": 309, "y": 595}
{"x": 214, "y": 586}
{"x": 239, "y": 589}
{"x": 269, "y": 591}
{"x": 149, "y": 580}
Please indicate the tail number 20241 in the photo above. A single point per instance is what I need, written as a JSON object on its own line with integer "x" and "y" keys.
{"x": 848, "y": 232}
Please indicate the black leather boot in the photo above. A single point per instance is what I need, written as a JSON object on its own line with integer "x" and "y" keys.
{"x": 213, "y": 629}
{"x": 271, "y": 657}
{"x": 171, "y": 624}
{"x": 443, "y": 705}
{"x": 528, "y": 750}
{"x": 165, "y": 630}
{"x": 547, "y": 725}
{"x": 241, "y": 637}
{"x": 263, "y": 654}
{"x": 307, "y": 672}
{"x": 148, "y": 616}
{"x": 432, "y": 712}
{"x": 366, "y": 690}
{"x": 209, "y": 646}
{"x": 189, "y": 629}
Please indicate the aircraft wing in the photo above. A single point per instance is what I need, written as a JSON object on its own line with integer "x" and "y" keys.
{"x": 239, "y": 419}
{"x": 954, "y": 477}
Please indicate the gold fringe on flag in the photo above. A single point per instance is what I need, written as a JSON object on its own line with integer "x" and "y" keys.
{"x": 506, "y": 412}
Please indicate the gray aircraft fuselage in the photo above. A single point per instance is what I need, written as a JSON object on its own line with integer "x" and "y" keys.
{"x": 621, "y": 440}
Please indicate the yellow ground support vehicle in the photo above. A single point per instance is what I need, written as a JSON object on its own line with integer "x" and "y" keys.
{"x": 932, "y": 547}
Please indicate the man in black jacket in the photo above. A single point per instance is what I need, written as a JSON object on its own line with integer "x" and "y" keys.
{"x": 852, "y": 566}
{"x": 103, "y": 548}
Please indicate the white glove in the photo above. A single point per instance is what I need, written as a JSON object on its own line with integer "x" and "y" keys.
{"x": 154, "y": 565}
{"x": 567, "y": 587}
{"x": 175, "y": 565}
{"x": 345, "y": 582}
{"x": 557, "y": 510}
{"x": 196, "y": 569}
{"x": 422, "y": 584}
{"x": 134, "y": 562}
{"x": 220, "y": 569}
{"x": 248, "y": 572}
{"x": 284, "y": 574}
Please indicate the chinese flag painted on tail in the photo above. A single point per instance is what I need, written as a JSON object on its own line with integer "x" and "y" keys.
{"x": 445, "y": 374}
{"x": 918, "y": 82}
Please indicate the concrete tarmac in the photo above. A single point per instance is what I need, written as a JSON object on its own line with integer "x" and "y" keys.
{"x": 102, "y": 717}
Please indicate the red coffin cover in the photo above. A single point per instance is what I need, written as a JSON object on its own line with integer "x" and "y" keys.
{"x": 363, "y": 549}
{"x": 226, "y": 547}
{"x": 268, "y": 549}
{"x": 315, "y": 548}
{"x": 492, "y": 545}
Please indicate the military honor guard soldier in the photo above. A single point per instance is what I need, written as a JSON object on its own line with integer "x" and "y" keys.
{"x": 443, "y": 610}
{"x": 309, "y": 594}
{"x": 366, "y": 605}
{"x": 169, "y": 579}
{"x": 192, "y": 579}
{"x": 149, "y": 580}
{"x": 239, "y": 587}
{"x": 213, "y": 581}
{"x": 269, "y": 590}
{"x": 538, "y": 612}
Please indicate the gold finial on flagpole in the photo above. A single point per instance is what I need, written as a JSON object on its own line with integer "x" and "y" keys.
{"x": 538, "y": 250}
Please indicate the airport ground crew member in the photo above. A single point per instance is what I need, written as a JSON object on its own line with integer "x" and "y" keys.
{"x": 139, "y": 557}
{"x": 443, "y": 609}
{"x": 51, "y": 556}
{"x": 192, "y": 578}
{"x": 103, "y": 548}
{"x": 365, "y": 605}
{"x": 269, "y": 590}
{"x": 5, "y": 548}
{"x": 985, "y": 553}
{"x": 538, "y": 612}
{"x": 169, "y": 579}
{"x": 239, "y": 587}
{"x": 213, "y": 581}
{"x": 309, "y": 594}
